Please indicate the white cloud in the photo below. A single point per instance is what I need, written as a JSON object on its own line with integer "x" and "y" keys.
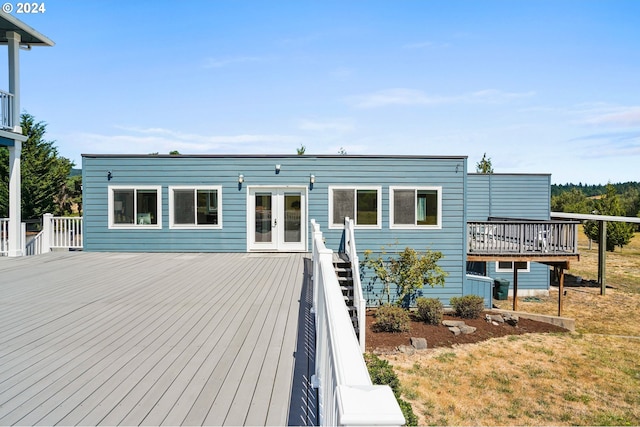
{"x": 151, "y": 140}
{"x": 398, "y": 96}
{"x": 620, "y": 116}
{"x": 403, "y": 96}
{"x": 336, "y": 125}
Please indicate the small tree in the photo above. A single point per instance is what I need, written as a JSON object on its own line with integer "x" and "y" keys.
{"x": 409, "y": 271}
{"x": 484, "y": 165}
{"x": 301, "y": 150}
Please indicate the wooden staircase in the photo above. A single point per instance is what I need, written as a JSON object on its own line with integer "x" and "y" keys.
{"x": 343, "y": 270}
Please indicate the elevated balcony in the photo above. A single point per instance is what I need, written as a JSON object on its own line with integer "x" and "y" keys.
{"x": 7, "y": 106}
{"x": 531, "y": 240}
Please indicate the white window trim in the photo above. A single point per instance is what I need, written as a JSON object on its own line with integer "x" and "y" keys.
{"x": 437, "y": 226}
{"x": 510, "y": 270}
{"x": 217, "y": 226}
{"x": 113, "y": 225}
{"x": 378, "y": 226}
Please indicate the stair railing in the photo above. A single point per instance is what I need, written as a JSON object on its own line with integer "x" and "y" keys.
{"x": 346, "y": 395}
{"x": 358, "y": 295}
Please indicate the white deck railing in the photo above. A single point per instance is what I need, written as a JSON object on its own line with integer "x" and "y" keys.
{"x": 358, "y": 296}
{"x": 6, "y": 110}
{"x": 4, "y": 236}
{"x": 345, "y": 393}
{"x": 522, "y": 237}
{"x": 57, "y": 233}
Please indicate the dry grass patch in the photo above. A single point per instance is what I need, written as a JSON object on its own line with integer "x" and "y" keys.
{"x": 591, "y": 377}
{"x": 525, "y": 380}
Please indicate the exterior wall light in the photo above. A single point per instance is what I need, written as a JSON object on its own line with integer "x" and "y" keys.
{"x": 277, "y": 168}
{"x": 240, "y": 179}
{"x": 312, "y": 179}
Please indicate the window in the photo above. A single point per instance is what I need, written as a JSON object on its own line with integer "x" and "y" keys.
{"x": 135, "y": 207}
{"x": 360, "y": 204}
{"x": 507, "y": 266}
{"x": 195, "y": 207}
{"x": 415, "y": 207}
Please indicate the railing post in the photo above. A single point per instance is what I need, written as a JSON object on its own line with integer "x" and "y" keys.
{"x": 47, "y": 232}
{"x": 23, "y": 238}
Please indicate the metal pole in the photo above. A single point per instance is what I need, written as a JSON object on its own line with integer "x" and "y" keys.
{"x": 602, "y": 256}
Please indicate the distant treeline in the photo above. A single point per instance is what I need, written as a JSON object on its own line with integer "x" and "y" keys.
{"x": 593, "y": 190}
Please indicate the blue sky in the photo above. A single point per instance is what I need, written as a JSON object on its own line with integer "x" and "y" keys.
{"x": 540, "y": 86}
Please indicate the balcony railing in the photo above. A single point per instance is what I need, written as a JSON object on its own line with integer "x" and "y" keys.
{"x": 6, "y": 110}
{"x": 522, "y": 237}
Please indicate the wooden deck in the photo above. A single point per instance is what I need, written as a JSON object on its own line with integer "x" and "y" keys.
{"x": 150, "y": 339}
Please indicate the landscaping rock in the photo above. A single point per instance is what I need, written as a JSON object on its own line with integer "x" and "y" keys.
{"x": 511, "y": 319}
{"x": 466, "y": 329}
{"x": 455, "y": 330}
{"x": 453, "y": 323}
{"x": 495, "y": 318}
{"x": 407, "y": 349}
{"x": 419, "y": 343}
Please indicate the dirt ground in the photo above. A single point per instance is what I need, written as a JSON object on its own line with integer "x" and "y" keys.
{"x": 440, "y": 336}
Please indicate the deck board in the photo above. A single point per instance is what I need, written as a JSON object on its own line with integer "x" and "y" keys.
{"x": 149, "y": 339}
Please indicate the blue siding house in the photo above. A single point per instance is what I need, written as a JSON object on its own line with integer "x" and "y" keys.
{"x": 512, "y": 196}
{"x": 250, "y": 203}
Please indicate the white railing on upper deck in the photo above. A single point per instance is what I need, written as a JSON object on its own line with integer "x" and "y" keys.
{"x": 345, "y": 393}
{"x": 6, "y": 110}
{"x": 522, "y": 237}
{"x": 358, "y": 296}
{"x": 4, "y": 236}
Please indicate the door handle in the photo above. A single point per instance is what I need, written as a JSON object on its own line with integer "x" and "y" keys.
{"x": 275, "y": 222}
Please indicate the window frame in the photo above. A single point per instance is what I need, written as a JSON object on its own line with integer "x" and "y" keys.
{"x": 135, "y": 188}
{"x": 510, "y": 270}
{"x": 355, "y": 188}
{"x": 415, "y": 226}
{"x": 195, "y": 225}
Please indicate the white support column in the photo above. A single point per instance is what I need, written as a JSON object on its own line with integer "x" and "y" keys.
{"x": 15, "y": 217}
{"x": 13, "y": 43}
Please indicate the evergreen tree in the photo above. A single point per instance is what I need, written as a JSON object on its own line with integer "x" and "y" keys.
{"x": 44, "y": 172}
{"x": 618, "y": 233}
{"x": 484, "y": 165}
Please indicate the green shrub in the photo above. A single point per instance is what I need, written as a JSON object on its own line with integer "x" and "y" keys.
{"x": 382, "y": 373}
{"x": 468, "y": 306}
{"x": 410, "y": 417}
{"x": 391, "y": 318}
{"x": 430, "y": 310}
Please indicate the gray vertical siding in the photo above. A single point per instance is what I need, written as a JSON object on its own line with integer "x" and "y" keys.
{"x": 524, "y": 196}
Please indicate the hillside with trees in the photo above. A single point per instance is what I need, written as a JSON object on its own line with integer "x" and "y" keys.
{"x": 612, "y": 199}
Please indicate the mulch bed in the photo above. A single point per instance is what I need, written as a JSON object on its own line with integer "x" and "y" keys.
{"x": 440, "y": 336}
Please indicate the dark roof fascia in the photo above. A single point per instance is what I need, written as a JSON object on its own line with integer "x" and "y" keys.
{"x": 29, "y": 36}
{"x": 270, "y": 156}
{"x": 510, "y": 174}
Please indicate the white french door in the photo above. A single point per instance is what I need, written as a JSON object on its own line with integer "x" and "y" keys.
{"x": 276, "y": 219}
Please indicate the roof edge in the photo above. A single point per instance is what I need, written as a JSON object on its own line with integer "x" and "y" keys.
{"x": 42, "y": 39}
{"x": 273, "y": 156}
